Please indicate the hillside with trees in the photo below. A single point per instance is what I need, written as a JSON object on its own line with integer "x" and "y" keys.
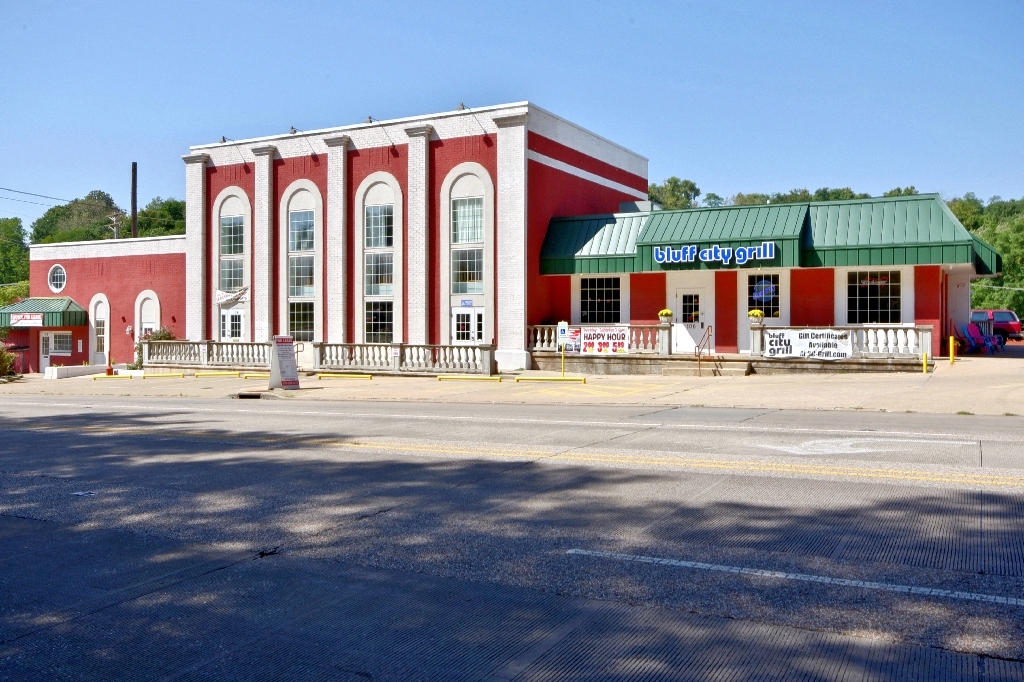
{"x": 997, "y": 222}
{"x": 94, "y": 217}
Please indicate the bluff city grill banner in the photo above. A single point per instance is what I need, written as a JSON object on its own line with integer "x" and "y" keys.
{"x": 604, "y": 340}
{"x": 816, "y": 344}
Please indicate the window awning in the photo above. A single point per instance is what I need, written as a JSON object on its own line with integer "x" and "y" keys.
{"x": 48, "y": 311}
{"x": 906, "y": 230}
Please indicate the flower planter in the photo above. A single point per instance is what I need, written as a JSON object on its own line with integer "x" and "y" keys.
{"x": 665, "y": 320}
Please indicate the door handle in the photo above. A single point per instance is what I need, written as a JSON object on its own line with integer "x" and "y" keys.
{"x": 701, "y": 325}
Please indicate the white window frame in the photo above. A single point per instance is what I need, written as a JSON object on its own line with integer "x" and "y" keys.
{"x": 53, "y": 344}
{"x": 284, "y": 297}
{"x": 245, "y": 303}
{"x": 371, "y": 192}
{"x": 49, "y": 278}
{"x": 907, "y": 311}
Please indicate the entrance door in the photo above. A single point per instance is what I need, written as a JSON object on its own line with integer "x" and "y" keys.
{"x": 689, "y": 320}
{"x": 467, "y": 326}
{"x": 231, "y": 325}
{"x": 45, "y": 340}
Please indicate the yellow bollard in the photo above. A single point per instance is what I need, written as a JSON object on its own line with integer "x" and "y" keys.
{"x": 924, "y": 362}
{"x": 952, "y": 349}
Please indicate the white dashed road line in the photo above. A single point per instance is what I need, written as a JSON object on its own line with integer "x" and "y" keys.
{"x": 804, "y": 577}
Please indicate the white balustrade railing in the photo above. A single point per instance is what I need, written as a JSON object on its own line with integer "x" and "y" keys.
{"x": 643, "y": 338}
{"x": 425, "y": 358}
{"x": 205, "y": 354}
{"x": 867, "y": 341}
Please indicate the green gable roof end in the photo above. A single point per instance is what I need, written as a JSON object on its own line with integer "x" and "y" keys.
{"x": 57, "y": 311}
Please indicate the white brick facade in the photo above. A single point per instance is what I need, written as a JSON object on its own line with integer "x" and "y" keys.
{"x": 195, "y": 246}
{"x": 511, "y": 237}
{"x": 337, "y": 219}
{"x": 263, "y": 244}
{"x": 417, "y": 233}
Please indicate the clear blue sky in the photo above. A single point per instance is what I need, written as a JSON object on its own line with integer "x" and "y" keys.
{"x": 747, "y": 97}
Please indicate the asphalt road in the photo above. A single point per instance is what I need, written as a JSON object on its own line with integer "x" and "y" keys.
{"x": 164, "y": 539}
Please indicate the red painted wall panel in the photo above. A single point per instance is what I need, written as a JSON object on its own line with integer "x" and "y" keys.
{"x": 812, "y": 297}
{"x": 726, "y": 288}
{"x": 444, "y": 156}
{"x": 219, "y": 178}
{"x": 121, "y": 279}
{"x": 559, "y": 289}
{"x": 928, "y": 301}
{"x": 363, "y": 162}
{"x": 555, "y": 150}
{"x": 646, "y": 297}
{"x": 553, "y": 193}
{"x": 287, "y": 171}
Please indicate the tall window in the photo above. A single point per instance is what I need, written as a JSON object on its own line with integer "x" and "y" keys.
{"x": 600, "y": 300}
{"x": 467, "y": 228}
{"x": 232, "y": 248}
{"x": 873, "y": 297}
{"x": 378, "y": 273}
{"x": 101, "y": 336}
{"x": 763, "y": 294}
{"x": 301, "y": 311}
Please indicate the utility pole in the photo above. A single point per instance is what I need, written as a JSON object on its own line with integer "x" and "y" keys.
{"x": 135, "y": 199}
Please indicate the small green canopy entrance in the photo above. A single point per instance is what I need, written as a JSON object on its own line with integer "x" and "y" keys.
{"x": 44, "y": 311}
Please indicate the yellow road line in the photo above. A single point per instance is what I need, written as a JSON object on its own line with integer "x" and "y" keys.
{"x": 344, "y": 376}
{"x": 170, "y": 375}
{"x": 111, "y": 376}
{"x": 466, "y": 377}
{"x": 581, "y": 380}
{"x": 218, "y": 374}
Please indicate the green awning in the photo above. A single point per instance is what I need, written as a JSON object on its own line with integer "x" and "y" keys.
{"x": 48, "y": 311}
{"x": 909, "y": 230}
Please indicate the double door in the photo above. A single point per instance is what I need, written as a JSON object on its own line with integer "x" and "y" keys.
{"x": 467, "y": 326}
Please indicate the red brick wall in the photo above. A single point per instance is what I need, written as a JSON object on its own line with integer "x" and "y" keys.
{"x": 726, "y": 312}
{"x": 812, "y": 297}
{"x": 444, "y": 156}
{"x": 928, "y": 301}
{"x": 121, "y": 279}
{"x": 363, "y": 162}
{"x": 646, "y": 297}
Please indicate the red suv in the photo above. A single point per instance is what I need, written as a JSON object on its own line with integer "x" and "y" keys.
{"x": 1005, "y": 323}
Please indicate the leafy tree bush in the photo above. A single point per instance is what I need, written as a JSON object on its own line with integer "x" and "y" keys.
{"x": 161, "y": 334}
{"x": 12, "y": 293}
{"x": 13, "y": 251}
{"x": 79, "y": 220}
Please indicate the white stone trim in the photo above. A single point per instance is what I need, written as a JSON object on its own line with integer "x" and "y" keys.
{"x": 109, "y": 248}
{"x": 511, "y": 229}
{"x": 586, "y": 175}
{"x": 336, "y": 243}
{"x": 445, "y": 202}
{"x": 247, "y": 281}
{"x": 262, "y": 245}
{"x": 98, "y": 298}
{"x": 417, "y": 233}
{"x": 143, "y": 295}
{"x": 302, "y": 185}
{"x": 195, "y": 247}
{"x": 398, "y": 246}
{"x": 565, "y": 132}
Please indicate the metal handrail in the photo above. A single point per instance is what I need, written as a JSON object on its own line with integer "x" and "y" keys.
{"x": 705, "y": 344}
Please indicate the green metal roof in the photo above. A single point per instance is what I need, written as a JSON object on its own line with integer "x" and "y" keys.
{"x": 57, "y": 311}
{"x": 910, "y": 230}
{"x": 579, "y": 244}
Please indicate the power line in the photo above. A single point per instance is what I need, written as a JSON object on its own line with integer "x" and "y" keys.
{"x": 995, "y": 286}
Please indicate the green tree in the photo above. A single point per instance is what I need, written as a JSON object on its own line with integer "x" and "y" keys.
{"x": 752, "y": 199}
{"x": 969, "y": 210}
{"x": 162, "y": 217}
{"x": 13, "y": 251}
{"x": 713, "y": 200}
{"x": 837, "y": 194}
{"x": 12, "y": 293}
{"x": 674, "y": 193}
{"x": 901, "y": 192}
{"x": 79, "y": 220}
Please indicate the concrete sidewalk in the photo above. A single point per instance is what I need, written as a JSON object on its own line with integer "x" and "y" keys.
{"x": 976, "y": 385}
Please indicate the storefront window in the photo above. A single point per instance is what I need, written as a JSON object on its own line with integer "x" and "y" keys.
{"x": 379, "y": 321}
{"x": 61, "y": 343}
{"x": 763, "y": 294}
{"x": 873, "y": 297}
{"x": 599, "y": 300}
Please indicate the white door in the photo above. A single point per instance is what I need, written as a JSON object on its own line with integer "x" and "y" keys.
{"x": 690, "y": 320}
{"x": 99, "y": 330}
{"x": 231, "y": 323}
{"x": 467, "y": 326}
{"x": 45, "y": 340}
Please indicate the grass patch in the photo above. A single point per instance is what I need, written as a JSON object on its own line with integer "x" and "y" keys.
{"x": 965, "y": 412}
{"x": 1010, "y": 414}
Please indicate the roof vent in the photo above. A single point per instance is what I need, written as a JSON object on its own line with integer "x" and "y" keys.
{"x": 638, "y": 206}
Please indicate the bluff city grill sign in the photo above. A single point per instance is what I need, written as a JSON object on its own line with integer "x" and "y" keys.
{"x": 725, "y": 255}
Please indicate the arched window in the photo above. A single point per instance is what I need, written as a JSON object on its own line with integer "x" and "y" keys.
{"x": 467, "y": 255}
{"x": 233, "y": 224}
{"x": 232, "y": 245}
{"x": 301, "y": 266}
{"x": 99, "y": 313}
{"x": 147, "y": 313}
{"x": 379, "y": 259}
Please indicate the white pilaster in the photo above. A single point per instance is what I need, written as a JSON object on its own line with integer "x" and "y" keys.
{"x": 511, "y": 353}
{"x": 418, "y": 220}
{"x": 263, "y": 245}
{"x": 195, "y": 246}
{"x": 335, "y": 243}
